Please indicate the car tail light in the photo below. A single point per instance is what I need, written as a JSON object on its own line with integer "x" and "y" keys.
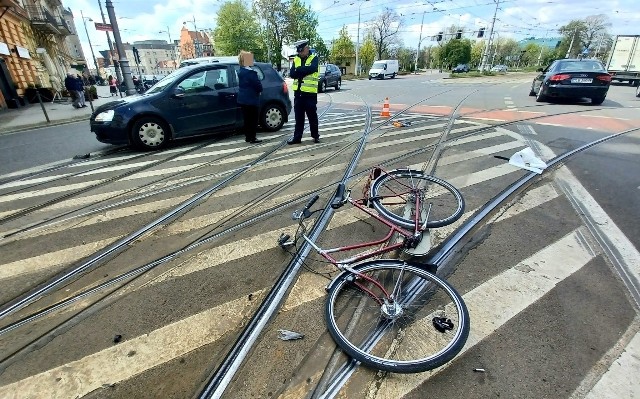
{"x": 562, "y": 76}
{"x": 604, "y": 78}
{"x": 285, "y": 88}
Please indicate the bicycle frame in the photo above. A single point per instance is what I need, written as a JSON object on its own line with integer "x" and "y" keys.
{"x": 325, "y": 253}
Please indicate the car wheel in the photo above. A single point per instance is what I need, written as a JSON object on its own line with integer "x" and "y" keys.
{"x": 273, "y": 117}
{"x": 393, "y": 76}
{"x": 540, "y": 97}
{"x": 597, "y": 100}
{"x": 150, "y": 133}
{"x": 369, "y": 77}
{"x": 338, "y": 85}
{"x": 323, "y": 87}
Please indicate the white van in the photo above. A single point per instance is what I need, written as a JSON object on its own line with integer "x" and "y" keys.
{"x": 383, "y": 69}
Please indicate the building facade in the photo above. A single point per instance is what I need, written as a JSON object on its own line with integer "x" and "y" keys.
{"x": 195, "y": 44}
{"x": 34, "y": 52}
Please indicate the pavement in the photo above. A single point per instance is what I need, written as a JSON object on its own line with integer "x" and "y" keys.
{"x": 59, "y": 113}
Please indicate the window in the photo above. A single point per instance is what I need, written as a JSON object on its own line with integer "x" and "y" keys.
{"x": 254, "y": 67}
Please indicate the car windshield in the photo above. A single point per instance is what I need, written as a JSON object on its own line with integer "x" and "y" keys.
{"x": 166, "y": 81}
{"x": 580, "y": 66}
{"x": 378, "y": 65}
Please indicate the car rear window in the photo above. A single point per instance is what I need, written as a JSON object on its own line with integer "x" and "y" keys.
{"x": 580, "y": 66}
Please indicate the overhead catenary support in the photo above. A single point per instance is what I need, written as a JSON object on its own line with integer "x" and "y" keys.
{"x": 124, "y": 62}
{"x": 485, "y": 53}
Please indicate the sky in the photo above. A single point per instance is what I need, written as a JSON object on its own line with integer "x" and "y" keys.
{"x": 518, "y": 19}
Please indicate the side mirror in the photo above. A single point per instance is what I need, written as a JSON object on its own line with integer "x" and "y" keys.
{"x": 327, "y": 72}
{"x": 178, "y": 92}
{"x": 539, "y": 70}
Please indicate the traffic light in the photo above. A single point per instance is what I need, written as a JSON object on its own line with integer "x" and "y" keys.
{"x": 459, "y": 34}
{"x": 481, "y": 33}
{"x": 439, "y": 37}
{"x": 136, "y": 55}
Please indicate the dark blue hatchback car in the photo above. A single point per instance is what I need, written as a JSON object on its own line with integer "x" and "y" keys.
{"x": 195, "y": 100}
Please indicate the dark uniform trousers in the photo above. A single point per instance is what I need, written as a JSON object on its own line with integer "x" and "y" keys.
{"x": 305, "y": 104}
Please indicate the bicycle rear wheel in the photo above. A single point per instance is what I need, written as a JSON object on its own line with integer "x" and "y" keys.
{"x": 425, "y": 326}
{"x": 393, "y": 195}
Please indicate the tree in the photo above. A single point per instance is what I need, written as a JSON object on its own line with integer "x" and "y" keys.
{"x": 476, "y": 52}
{"x": 384, "y": 30}
{"x": 301, "y": 22}
{"x": 343, "y": 49}
{"x": 367, "y": 53}
{"x": 457, "y": 51}
{"x": 274, "y": 32}
{"x": 237, "y": 30}
{"x": 406, "y": 58}
{"x": 529, "y": 55}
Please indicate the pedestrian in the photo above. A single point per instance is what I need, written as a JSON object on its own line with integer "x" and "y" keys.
{"x": 71, "y": 85}
{"x": 113, "y": 86}
{"x": 249, "y": 96}
{"x": 80, "y": 90}
{"x": 304, "y": 73}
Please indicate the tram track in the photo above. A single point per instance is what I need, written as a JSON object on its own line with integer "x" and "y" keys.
{"x": 299, "y": 199}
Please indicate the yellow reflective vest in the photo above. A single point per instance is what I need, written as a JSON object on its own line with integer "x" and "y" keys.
{"x": 310, "y": 82}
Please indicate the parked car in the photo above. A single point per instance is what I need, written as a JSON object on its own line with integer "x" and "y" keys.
{"x": 193, "y": 100}
{"x": 572, "y": 78}
{"x": 460, "y": 68}
{"x": 330, "y": 75}
{"x": 499, "y": 68}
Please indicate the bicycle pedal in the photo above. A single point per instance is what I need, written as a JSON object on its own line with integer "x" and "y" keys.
{"x": 442, "y": 324}
{"x": 283, "y": 240}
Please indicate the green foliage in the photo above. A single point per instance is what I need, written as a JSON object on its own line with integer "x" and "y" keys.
{"x": 476, "y": 52}
{"x": 301, "y": 21}
{"x": 457, "y": 51}
{"x": 273, "y": 13}
{"x": 237, "y": 29}
{"x": 589, "y": 33}
{"x": 406, "y": 59}
{"x": 343, "y": 48}
{"x": 367, "y": 53}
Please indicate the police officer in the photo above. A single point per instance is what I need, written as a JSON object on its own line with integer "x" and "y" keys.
{"x": 305, "y": 89}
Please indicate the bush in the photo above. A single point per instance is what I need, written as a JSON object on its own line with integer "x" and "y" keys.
{"x": 91, "y": 90}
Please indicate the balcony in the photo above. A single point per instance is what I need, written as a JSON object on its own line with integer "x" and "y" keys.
{"x": 63, "y": 27}
{"x": 42, "y": 20}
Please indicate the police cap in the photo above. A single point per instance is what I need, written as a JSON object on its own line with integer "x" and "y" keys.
{"x": 300, "y": 44}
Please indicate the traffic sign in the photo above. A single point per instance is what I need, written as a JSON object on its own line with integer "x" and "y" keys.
{"x": 104, "y": 27}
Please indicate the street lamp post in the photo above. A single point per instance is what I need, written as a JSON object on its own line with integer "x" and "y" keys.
{"x": 173, "y": 53}
{"x": 84, "y": 22}
{"x": 116, "y": 66}
{"x": 358, "y": 40}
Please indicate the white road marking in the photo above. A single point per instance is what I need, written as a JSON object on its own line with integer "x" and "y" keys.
{"x": 497, "y": 301}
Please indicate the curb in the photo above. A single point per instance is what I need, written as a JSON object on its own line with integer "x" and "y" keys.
{"x": 45, "y": 124}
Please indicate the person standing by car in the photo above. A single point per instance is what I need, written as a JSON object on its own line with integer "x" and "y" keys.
{"x": 305, "y": 91}
{"x": 249, "y": 89}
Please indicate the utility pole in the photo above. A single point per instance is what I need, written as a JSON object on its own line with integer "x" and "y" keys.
{"x": 116, "y": 65}
{"x": 124, "y": 63}
{"x": 415, "y": 69}
{"x": 485, "y": 53}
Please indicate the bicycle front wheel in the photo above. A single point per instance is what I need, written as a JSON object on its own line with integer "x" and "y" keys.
{"x": 394, "y": 194}
{"x": 423, "y": 326}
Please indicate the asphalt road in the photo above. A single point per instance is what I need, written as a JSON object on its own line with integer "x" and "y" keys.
{"x": 549, "y": 280}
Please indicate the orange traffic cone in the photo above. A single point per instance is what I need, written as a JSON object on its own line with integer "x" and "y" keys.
{"x": 385, "y": 109}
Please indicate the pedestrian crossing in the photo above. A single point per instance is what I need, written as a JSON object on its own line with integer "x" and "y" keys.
{"x": 467, "y": 163}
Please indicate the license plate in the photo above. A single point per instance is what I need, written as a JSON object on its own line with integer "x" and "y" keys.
{"x": 581, "y": 80}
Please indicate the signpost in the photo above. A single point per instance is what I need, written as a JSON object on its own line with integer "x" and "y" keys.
{"x": 104, "y": 27}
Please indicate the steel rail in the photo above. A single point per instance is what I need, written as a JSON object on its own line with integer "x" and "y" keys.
{"x": 453, "y": 245}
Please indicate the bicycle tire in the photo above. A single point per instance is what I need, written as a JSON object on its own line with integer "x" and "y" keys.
{"x": 409, "y": 342}
{"x": 447, "y": 206}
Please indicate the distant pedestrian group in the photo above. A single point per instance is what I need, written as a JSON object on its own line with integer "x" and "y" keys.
{"x": 75, "y": 86}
